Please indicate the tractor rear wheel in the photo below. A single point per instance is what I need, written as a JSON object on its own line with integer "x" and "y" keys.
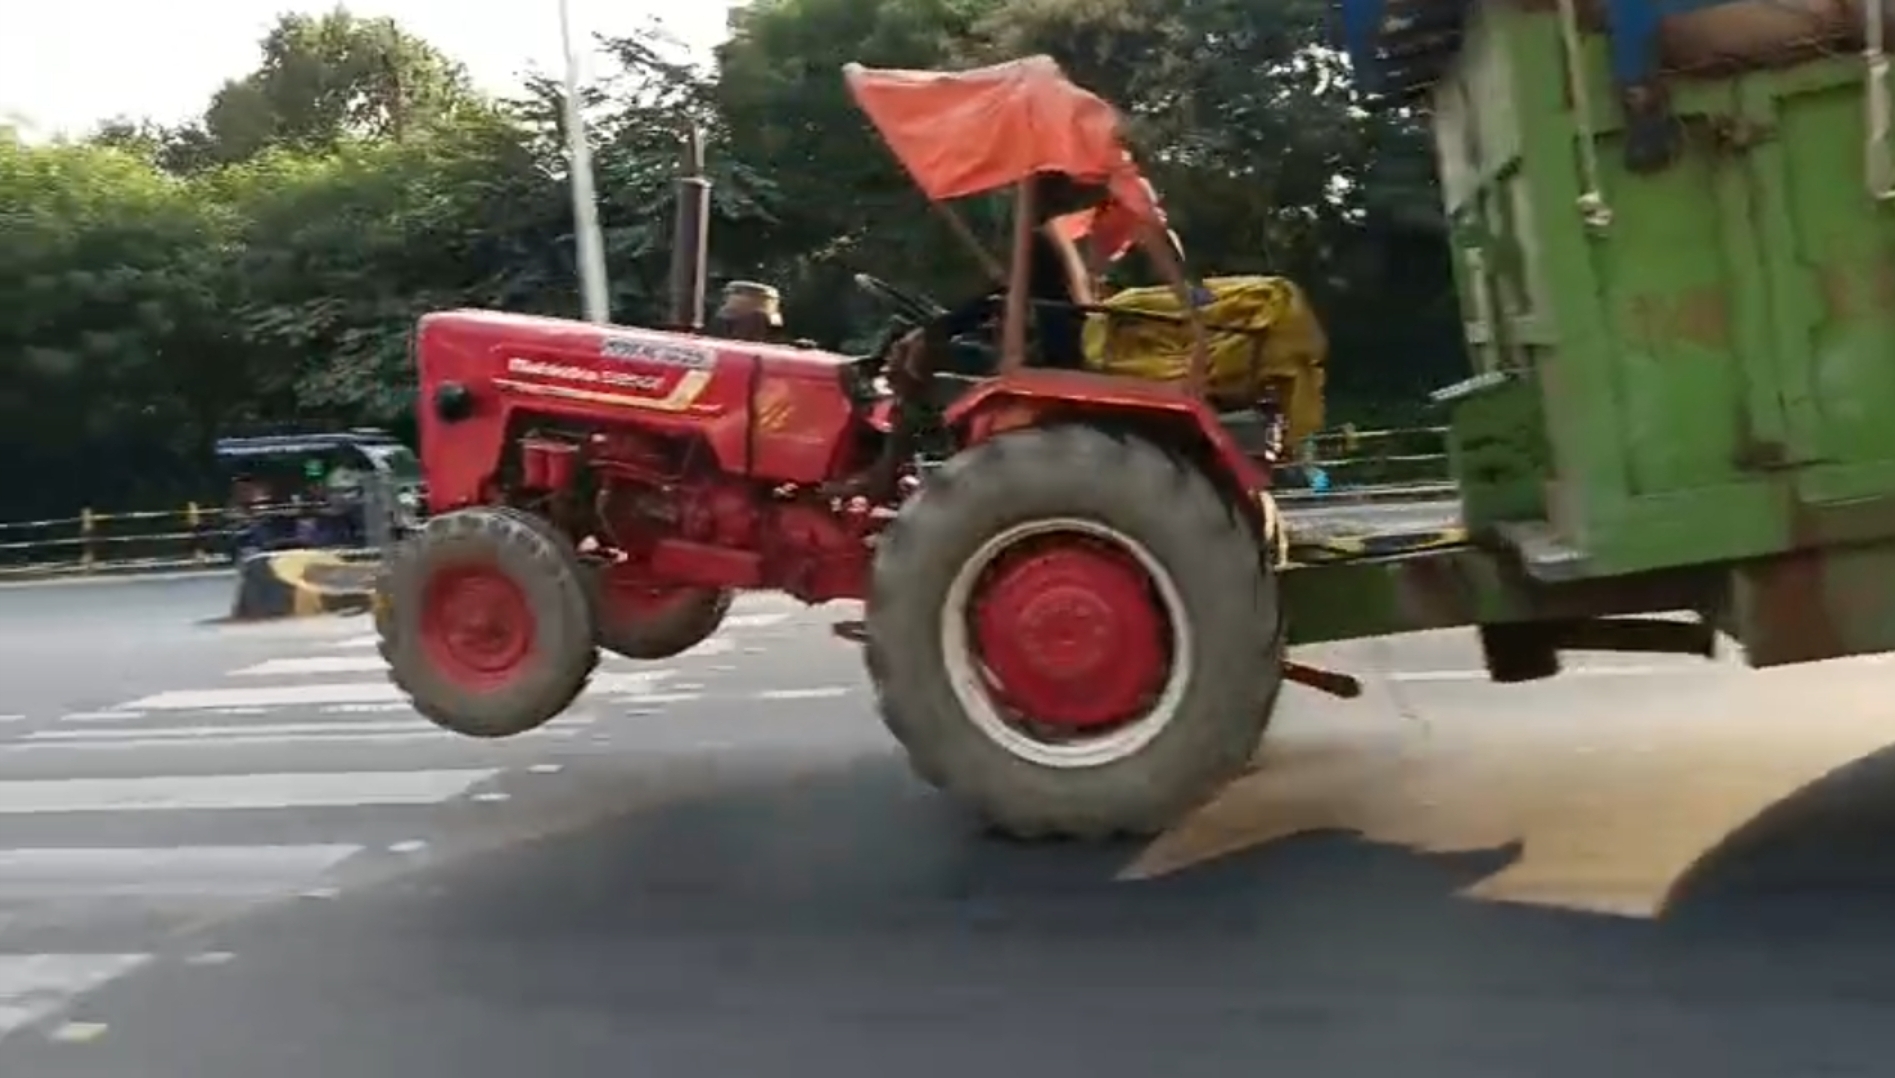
{"x": 486, "y": 623}
{"x": 641, "y": 621}
{"x": 1075, "y": 633}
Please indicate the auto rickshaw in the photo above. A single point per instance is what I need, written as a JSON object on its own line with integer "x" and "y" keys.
{"x": 332, "y": 490}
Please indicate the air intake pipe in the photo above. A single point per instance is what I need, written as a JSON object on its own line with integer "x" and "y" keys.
{"x": 690, "y": 239}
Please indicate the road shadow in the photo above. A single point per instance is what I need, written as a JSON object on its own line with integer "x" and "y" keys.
{"x": 1818, "y": 862}
{"x": 847, "y": 922}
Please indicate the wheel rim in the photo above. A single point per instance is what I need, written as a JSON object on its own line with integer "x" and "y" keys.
{"x": 1078, "y": 626}
{"x": 476, "y": 625}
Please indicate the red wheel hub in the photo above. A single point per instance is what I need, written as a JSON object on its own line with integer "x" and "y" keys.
{"x": 1072, "y": 634}
{"x": 476, "y": 625}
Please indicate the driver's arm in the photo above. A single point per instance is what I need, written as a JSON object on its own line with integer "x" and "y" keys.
{"x": 966, "y": 318}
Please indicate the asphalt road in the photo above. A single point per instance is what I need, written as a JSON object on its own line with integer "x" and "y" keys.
{"x": 227, "y": 853}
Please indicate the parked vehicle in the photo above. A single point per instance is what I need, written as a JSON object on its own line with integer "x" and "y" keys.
{"x": 327, "y": 489}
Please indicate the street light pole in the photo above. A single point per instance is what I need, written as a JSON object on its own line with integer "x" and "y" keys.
{"x": 585, "y": 205}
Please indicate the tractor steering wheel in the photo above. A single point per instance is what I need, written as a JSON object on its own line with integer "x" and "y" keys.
{"x": 916, "y": 309}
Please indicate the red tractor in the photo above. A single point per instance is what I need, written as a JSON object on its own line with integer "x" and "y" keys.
{"x": 1072, "y": 609}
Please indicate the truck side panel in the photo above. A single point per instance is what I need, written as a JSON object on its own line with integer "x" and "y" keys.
{"x": 1711, "y": 361}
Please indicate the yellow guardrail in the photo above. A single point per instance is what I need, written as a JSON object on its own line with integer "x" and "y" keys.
{"x": 1372, "y": 465}
{"x": 191, "y": 536}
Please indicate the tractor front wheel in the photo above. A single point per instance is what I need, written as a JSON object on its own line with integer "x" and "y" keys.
{"x": 1074, "y": 632}
{"x": 485, "y": 622}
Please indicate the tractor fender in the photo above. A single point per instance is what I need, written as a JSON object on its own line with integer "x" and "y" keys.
{"x": 1159, "y": 411}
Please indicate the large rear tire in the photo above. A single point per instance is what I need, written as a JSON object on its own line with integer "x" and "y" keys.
{"x": 486, "y": 622}
{"x": 1074, "y": 633}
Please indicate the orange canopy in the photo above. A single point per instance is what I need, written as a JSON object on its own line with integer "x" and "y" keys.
{"x": 962, "y": 133}
{"x": 1113, "y": 227}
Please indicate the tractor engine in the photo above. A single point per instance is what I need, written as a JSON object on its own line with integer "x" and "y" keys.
{"x": 669, "y": 518}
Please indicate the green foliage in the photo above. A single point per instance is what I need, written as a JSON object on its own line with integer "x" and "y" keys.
{"x": 266, "y": 261}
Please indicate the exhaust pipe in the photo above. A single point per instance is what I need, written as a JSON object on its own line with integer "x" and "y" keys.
{"x": 690, "y": 239}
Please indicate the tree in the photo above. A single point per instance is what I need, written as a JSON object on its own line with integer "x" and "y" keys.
{"x": 114, "y": 274}
{"x": 268, "y": 261}
{"x": 1249, "y": 125}
{"x": 843, "y": 205}
{"x": 327, "y": 78}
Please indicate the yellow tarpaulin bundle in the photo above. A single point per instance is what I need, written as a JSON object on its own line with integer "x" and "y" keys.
{"x": 1284, "y": 347}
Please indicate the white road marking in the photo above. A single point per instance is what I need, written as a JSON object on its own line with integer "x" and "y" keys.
{"x": 634, "y": 702}
{"x": 271, "y": 696}
{"x": 493, "y": 797}
{"x": 412, "y": 845}
{"x": 825, "y": 693}
{"x": 189, "y": 733}
{"x": 145, "y": 872}
{"x": 237, "y": 741}
{"x": 545, "y": 769}
{"x": 314, "y": 664}
{"x": 206, "y": 792}
{"x": 12, "y": 718}
{"x": 636, "y": 683}
{"x": 754, "y": 621}
{"x": 35, "y": 986}
{"x": 172, "y": 733}
{"x": 100, "y": 716}
{"x": 78, "y": 1032}
{"x": 1576, "y": 671}
{"x": 330, "y": 693}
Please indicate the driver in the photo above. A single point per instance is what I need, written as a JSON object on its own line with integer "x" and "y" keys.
{"x": 1055, "y": 274}
{"x": 750, "y": 312}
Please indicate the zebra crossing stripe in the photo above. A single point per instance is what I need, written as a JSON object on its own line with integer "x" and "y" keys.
{"x": 266, "y": 729}
{"x": 615, "y": 683}
{"x": 166, "y": 871}
{"x": 313, "y": 789}
{"x": 366, "y": 692}
{"x": 35, "y": 986}
{"x": 314, "y": 664}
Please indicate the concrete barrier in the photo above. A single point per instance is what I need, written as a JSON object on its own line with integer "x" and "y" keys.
{"x": 300, "y": 584}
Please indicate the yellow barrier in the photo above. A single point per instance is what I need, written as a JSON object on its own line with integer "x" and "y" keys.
{"x": 301, "y": 584}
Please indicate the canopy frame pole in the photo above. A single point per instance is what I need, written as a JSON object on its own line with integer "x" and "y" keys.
{"x": 1013, "y": 324}
{"x": 958, "y": 225}
{"x": 1160, "y": 245}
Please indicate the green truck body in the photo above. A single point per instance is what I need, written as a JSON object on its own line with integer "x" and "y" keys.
{"x": 1682, "y": 370}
